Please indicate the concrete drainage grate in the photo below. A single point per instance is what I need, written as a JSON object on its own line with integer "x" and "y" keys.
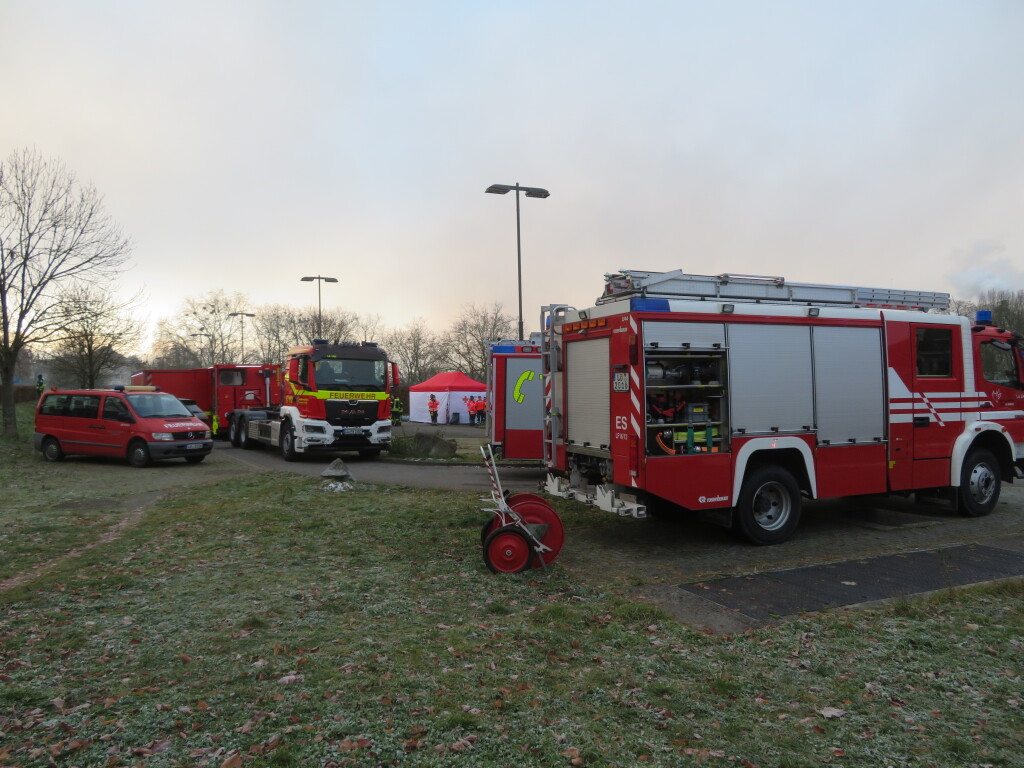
{"x": 816, "y": 587}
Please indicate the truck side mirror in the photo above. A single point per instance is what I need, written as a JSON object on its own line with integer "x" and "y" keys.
{"x": 394, "y": 375}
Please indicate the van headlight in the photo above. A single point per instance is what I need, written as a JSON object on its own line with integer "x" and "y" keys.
{"x": 163, "y": 436}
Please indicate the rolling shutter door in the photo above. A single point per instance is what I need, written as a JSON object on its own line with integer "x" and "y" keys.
{"x": 587, "y": 409}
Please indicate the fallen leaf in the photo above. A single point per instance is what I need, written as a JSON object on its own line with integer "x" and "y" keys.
{"x": 831, "y": 713}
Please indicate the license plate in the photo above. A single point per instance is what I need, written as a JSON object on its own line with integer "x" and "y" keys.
{"x": 193, "y": 446}
{"x": 352, "y": 431}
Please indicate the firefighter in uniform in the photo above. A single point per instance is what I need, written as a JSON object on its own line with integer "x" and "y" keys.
{"x": 396, "y": 410}
{"x": 40, "y": 384}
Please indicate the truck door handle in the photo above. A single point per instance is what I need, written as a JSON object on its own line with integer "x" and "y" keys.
{"x": 921, "y": 421}
{"x": 986, "y": 405}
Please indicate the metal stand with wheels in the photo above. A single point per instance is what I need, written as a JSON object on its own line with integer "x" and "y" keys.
{"x": 524, "y": 530}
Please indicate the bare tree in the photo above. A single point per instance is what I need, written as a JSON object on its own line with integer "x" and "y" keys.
{"x": 276, "y": 328}
{"x": 464, "y": 344}
{"x": 203, "y": 332}
{"x": 416, "y": 350}
{"x": 52, "y": 229}
{"x": 98, "y": 330}
{"x": 369, "y": 327}
{"x": 1007, "y": 308}
{"x": 964, "y": 307}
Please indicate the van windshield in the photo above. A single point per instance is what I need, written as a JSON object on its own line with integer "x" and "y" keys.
{"x": 157, "y": 405}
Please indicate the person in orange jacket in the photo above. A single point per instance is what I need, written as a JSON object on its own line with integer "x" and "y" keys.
{"x": 432, "y": 405}
{"x": 470, "y": 408}
{"x": 481, "y": 410}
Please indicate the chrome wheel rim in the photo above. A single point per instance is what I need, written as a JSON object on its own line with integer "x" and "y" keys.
{"x": 982, "y": 484}
{"x": 772, "y": 506}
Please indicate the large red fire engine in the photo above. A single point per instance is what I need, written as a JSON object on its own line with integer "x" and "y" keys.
{"x": 334, "y": 397}
{"x": 515, "y": 398}
{"x": 740, "y": 394}
{"x": 218, "y": 389}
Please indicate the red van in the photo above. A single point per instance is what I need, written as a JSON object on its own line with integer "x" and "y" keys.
{"x": 140, "y": 424}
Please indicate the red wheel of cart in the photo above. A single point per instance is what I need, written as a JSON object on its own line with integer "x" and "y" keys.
{"x": 507, "y": 550}
{"x": 545, "y": 524}
{"x": 515, "y": 498}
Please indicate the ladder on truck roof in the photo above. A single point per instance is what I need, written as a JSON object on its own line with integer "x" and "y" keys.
{"x": 676, "y": 284}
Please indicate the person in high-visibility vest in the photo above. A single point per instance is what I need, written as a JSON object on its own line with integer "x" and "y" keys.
{"x": 432, "y": 405}
{"x": 480, "y": 406}
{"x": 40, "y": 384}
{"x": 396, "y": 410}
{"x": 470, "y": 407}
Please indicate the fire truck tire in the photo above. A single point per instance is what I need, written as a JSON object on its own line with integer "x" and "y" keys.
{"x": 979, "y": 484}
{"x": 507, "y": 550}
{"x": 138, "y": 454}
{"x": 234, "y": 434}
{"x": 243, "y": 434}
{"x": 288, "y": 451}
{"x": 768, "y": 511}
{"x": 52, "y": 450}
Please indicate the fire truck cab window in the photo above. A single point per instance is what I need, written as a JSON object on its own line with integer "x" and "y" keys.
{"x": 935, "y": 352}
{"x": 362, "y": 375}
{"x": 999, "y": 364}
{"x": 304, "y": 371}
{"x": 231, "y": 378}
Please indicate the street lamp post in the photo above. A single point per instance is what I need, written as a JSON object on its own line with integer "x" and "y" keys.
{"x": 504, "y": 189}
{"x": 242, "y": 315}
{"x": 210, "y": 337}
{"x": 319, "y": 307}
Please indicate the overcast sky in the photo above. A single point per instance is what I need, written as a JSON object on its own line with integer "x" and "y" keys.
{"x": 243, "y": 145}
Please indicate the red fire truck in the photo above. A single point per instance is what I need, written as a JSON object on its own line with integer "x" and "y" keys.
{"x": 334, "y": 397}
{"x": 515, "y": 398}
{"x": 738, "y": 395}
{"x": 218, "y": 389}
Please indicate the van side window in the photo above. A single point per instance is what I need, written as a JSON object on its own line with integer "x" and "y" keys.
{"x": 84, "y": 406}
{"x": 54, "y": 405}
{"x": 114, "y": 409}
{"x": 935, "y": 352}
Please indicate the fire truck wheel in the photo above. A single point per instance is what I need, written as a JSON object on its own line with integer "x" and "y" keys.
{"x": 243, "y": 434}
{"x": 52, "y": 450}
{"x": 288, "y": 442}
{"x": 768, "y": 511}
{"x": 234, "y": 435}
{"x": 507, "y": 550}
{"x": 979, "y": 484}
{"x": 138, "y": 454}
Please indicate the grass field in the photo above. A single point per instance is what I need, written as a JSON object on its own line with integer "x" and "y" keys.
{"x": 265, "y": 621}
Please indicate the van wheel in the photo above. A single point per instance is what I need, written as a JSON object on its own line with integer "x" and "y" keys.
{"x": 288, "y": 451}
{"x": 138, "y": 455}
{"x": 52, "y": 450}
{"x": 234, "y": 435}
{"x": 979, "y": 484}
{"x": 194, "y": 459}
{"x": 768, "y": 510}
